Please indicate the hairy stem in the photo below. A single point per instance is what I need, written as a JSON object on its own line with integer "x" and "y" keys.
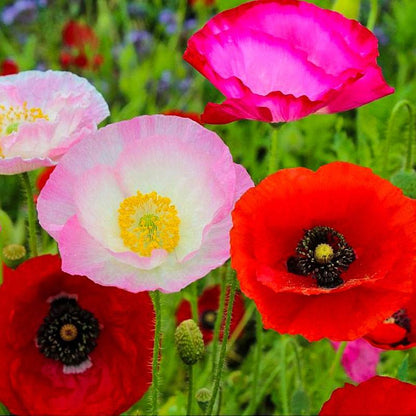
{"x": 32, "y": 217}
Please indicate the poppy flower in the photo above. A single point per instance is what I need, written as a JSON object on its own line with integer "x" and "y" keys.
{"x": 86, "y": 348}
{"x": 359, "y": 360}
{"x": 281, "y": 60}
{"x": 8, "y": 67}
{"x": 208, "y": 304}
{"x": 397, "y": 332}
{"x": 144, "y": 204}
{"x": 80, "y": 46}
{"x": 193, "y": 116}
{"x": 42, "y": 114}
{"x": 376, "y": 396}
{"x": 327, "y": 253}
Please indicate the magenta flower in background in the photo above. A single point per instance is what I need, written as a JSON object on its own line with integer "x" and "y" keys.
{"x": 42, "y": 114}
{"x": 144, "y": 204}
{"x": 359, "y": 359}
{"x": 281, "y": 60}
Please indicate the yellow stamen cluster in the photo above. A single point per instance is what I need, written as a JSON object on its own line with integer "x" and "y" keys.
{"x": 11, "y": 117}
{"x": 68, "y": 332}
{"x": 323, "y": 253}
{"x": 148, "y": 221}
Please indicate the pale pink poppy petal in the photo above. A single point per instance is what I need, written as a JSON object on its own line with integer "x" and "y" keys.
{"x": 46, "y": 113}
{"x": 170, "y": 156}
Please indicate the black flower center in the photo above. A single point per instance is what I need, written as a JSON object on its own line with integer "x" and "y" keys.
{"x": 69, "y": 333}
{"x": 401, "y": 319}
{"x": 208, "y": 319}
{"x": 322, "y": 254}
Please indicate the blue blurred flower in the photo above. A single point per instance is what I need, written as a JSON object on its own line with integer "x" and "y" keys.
{"x": 22, "y": 11}
{"x": 167, "y": 18}
{"x": 142, "y": 41}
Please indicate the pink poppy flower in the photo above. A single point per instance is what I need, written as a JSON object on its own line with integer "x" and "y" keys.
{"x": 144, "y": 204}
{"x": 281, "y": 60}
{"x": 359, "y": 359}
{"x": 42, "y": 114}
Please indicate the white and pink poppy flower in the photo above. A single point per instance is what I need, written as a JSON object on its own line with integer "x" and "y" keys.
{"x": 144, "y": 204}
{"x": 42, "y": 114}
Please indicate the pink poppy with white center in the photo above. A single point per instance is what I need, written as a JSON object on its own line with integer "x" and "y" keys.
{"x": 144, "y": 204}
{"x": 42, "y": 114}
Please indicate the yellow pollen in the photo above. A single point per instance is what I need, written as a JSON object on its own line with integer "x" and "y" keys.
{"x": 147, "y": 222}
{"x": 323, "y": 253}
{"x": 68, "y": 332}
{"x": 11, "y": 117}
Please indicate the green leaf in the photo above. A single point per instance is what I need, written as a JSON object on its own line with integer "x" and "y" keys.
{"x": 403, "y": 370}
{"x": 300, "y": 403}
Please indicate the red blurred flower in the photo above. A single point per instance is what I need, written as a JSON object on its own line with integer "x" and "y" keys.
{"x": 193, "y": 116}
{"x": 70, "y": 346}
{"x": 208, "y": 304}
{"x": 327, "y": 253}
{"x": 281, "y": 60}
{"x": 377, "y": 396}
{"x": 8, "y": 67}
{"x": 81, "y": 46}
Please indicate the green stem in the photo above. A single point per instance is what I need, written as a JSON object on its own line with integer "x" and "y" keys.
{"x": 389, "y": 133}
{"x": 372, "y": 18}
{"x": 220, "y": 313}
{"x": 190, "y": 389}
{"x": 337, "y": 358}
{"x": 220, "y": 365}
{"x": 273, "y": 153}
{"x": 257, "y": 358}
{"x": 194, "y": 302}
{"x": 32, "y": 217}
{"x": 156, "y": 348}
{"x": 297, "y": 358}
{"x": 241, "y": 325}
{"x": 283, "y": 385}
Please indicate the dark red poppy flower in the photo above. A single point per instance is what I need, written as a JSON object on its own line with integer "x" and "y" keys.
{"x": 207, "y": 309}
{"x": 398, "y": 331}
{"x": 80, "y": 47}
{"x": 8, "y": 67}
{"x": 327, "y": 253}
{"x": 70, "y": 346}
{"x": 281, "y": 60}
{"x": 193, "y": 116}
{"x": 376, "y": 396}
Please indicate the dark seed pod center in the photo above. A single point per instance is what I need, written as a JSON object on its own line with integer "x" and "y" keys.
{"x": 208, "y": 319}
{"x": 69, "y": 333}
{"x": 322, "y": 254}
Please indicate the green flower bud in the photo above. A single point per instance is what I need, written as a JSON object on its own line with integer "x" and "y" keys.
{"x": 203, "y": 396}
{"x": 13, "y": 255}
{"x": 189, "y": 342}
{"x": 406, "y": 181}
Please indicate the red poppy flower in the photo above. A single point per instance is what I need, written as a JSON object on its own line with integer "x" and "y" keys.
{"x": 281, "y": 60}
{"x": 193, "y": 116}
{"x": 79, "y": 35}
{"x": 376, "y": 396}
{"x": 397, "y": 332}
{"x": 81, "y": 45}
{"x": 8, "y": 67}
{"x": 70, "y": 346}
{"x": 327, "y": 253}
{"x": 207, "y": 309}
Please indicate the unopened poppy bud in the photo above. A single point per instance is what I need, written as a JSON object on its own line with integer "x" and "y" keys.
{"x": 189, "y": 342}
{"x": 203, "y": 396}
{"x": 13, "y": 254}
{"x": 406, "y": 181}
